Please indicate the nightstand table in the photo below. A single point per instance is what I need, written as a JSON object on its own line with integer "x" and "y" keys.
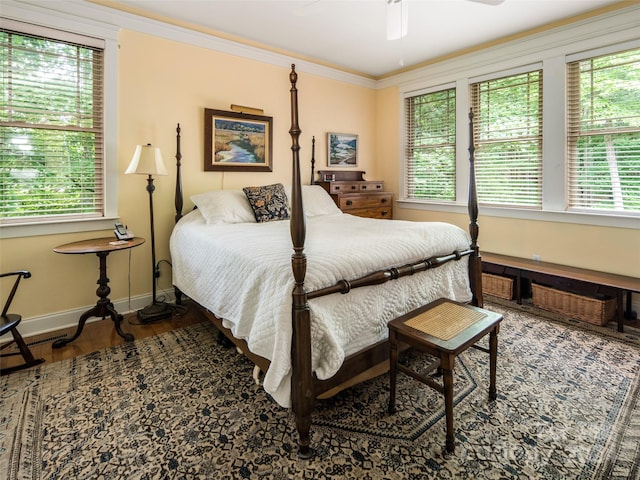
{"x": 102, "y": 247}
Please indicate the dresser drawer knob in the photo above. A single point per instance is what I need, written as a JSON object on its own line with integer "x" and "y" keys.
{"x": 383, "y": 200}
{"x": 349, "y": 202}
{"x": 353, "y": 187}
{"x": 384, "y": 213}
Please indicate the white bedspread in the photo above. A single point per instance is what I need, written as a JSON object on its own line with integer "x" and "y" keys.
{"x": 242, "y": 273}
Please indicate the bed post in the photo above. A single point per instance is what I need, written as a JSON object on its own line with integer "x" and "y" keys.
{"x": 178, "y": 198}
{"x": 302, "y": 397}
{"x": 475, "y": 260}
{"x": 313, "y": 160}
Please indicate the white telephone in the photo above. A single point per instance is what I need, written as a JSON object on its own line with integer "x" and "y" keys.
{"x": 122, "y": 233}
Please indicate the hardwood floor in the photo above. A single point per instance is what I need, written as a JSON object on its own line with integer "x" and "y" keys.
{"x": 97, "y": 335}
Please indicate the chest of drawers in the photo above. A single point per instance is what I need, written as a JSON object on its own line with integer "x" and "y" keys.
{"x": 354, "y": 195}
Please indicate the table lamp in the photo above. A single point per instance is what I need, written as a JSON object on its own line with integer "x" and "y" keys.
{"x": 147, "y": 160}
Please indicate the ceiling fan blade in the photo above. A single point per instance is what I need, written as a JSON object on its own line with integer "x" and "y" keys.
{"x": 397, "y": 19}
{"x": 488, "y": 2}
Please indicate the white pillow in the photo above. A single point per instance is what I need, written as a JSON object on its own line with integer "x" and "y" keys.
{"x": 224, "y": 206}
{"x": 316, "y": 201}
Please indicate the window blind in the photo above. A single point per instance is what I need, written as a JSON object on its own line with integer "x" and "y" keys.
{"x": 51, "y": 128}
{"x": 430, "y": 125}
{"x": 603, "y": 132}
{"x": 508, "y": 140}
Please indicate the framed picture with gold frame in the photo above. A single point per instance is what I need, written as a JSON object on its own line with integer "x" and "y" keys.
{"x": 236, "y": 141}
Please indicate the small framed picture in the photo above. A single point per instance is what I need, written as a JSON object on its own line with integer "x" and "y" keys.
{"x": 342, "y": 150}
{"x": 237, "y": 141}
{"x": 328, "y": 177}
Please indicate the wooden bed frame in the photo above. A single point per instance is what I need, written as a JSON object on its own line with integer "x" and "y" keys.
{"x": 305, "y": 387}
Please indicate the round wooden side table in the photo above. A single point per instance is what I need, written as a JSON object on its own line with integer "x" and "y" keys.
{"x": 102, "y": 247}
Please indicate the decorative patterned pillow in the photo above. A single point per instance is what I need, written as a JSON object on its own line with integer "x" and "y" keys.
{"x": 269, "y": 202}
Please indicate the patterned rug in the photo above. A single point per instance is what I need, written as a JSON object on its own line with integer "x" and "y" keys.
{"x": 181, "y": 406}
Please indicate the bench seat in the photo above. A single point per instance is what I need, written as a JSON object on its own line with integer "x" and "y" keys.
{"x": 563, "y": 277}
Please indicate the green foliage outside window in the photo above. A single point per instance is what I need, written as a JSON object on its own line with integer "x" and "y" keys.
{"x": 508, "y": 140}
{"x": 604, "y": 132}
{"x": 432, "y": 145}
{"x": 50, "y": 128}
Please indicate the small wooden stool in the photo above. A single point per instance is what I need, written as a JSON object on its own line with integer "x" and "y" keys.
{"x": 443, "y": 329}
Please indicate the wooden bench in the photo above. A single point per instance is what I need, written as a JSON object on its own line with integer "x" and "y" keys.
{"x": 443, "y": 329}
{"x": 578, "y": 280}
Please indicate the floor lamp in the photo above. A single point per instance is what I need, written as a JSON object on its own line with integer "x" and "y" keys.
{"x": 147, "y": 160}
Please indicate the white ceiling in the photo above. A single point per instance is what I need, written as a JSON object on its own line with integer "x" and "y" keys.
{"x": 351, "y": 34}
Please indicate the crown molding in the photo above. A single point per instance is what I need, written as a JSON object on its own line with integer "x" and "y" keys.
{"x": 77, "y": 14}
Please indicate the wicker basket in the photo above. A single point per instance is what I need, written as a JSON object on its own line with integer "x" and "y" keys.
{"x": 501, "y": 287}
{"x": 588, "y": 309}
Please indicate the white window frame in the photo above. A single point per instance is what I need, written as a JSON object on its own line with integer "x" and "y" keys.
{"x": 39, "y": 16}
{"x": 553, "y": 51}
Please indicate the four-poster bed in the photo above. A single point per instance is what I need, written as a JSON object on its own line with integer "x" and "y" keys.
{"x": 307, "y": 339}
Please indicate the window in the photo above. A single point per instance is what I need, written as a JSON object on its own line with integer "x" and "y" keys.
{"x": 508, "y": 140}
{"x": 604, "y": 132}
{"x": 51, "y": 127}
{"x": 430, "y": 172}
{"x": 556, "y": 127}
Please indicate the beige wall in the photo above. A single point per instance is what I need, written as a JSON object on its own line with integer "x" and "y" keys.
{"x": 162, "y": 83}
{"x": 387, "y": 138}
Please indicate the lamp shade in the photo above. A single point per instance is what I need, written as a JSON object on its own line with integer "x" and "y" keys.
{"x": 147, "y": 160}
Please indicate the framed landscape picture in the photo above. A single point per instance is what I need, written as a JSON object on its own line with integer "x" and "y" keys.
{"x": 342, "y": 150}
{"x": 237, "y": 141}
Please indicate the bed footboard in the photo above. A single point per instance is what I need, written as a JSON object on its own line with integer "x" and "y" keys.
{"x": 383, "y": 276}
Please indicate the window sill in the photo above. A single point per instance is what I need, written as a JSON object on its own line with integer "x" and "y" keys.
{"x": 618, "y": 221}
{"x": 54, "y": 228}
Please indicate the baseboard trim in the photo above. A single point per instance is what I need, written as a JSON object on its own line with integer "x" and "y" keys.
{"x": 45, "y": 324}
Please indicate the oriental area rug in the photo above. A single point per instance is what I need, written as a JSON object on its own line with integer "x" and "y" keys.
{"x": 181, "y": 406}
